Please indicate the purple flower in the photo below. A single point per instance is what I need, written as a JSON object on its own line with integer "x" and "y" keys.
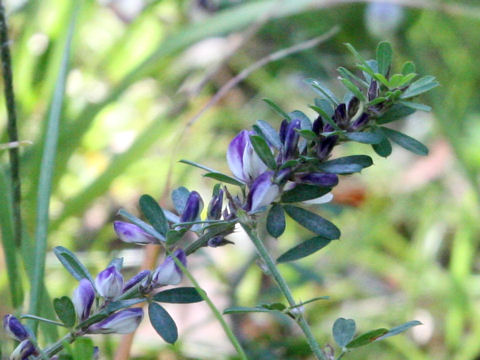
{"x": 325, "y": 147}
{"x": 192, "y": 208}
{"x": 215, "y": 206}
{"x": 340, "y": 115}
{"x": 360, "y": 122}
{"x": 291, "y": 138}
{"x": 109, "y": 283}
{"x": 14, "y": 328}
{"x": 320, "y": 179}
{"x": 372, "y": 90}
{"x": 135, "y": 280}
{"x": 242, "y": 158}
{"x": 122, "y": 322}
{"x": 131, "y": 233}
{"x": 83, "y": 297}
{"x": 23, "y": 350}
{"x": 262, "y": 192}
{"x": 168, "y": 273}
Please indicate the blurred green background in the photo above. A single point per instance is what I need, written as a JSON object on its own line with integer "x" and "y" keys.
{"x": 410, "y": 226}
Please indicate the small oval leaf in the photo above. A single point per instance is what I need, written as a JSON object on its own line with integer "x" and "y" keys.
{"x": 154, "y": 213}
{"x": 343, "y": 331}
{"x": 347, "y": 164}
{"x": 180, "y": 295}
{"x": 366, "y": 137}
{"x": 366, "y": 338}
{"x": 163, "y": 323}
{"x": 304, "y": 249}
{"x": 223, "y": 178}
{"x": 304, "y": 192}
{"x": 72, "y": 264}
{"x": 263, "y": 151}
{"x": 406, "y": 141}
{"x": 276, "y": 221}
{"x": 65, "y": 310}
{"x": 313, "y": 222}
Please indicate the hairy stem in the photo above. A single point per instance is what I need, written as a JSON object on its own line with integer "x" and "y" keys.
{"x": 283, "y": 286}
{"x": 12, "y": 124}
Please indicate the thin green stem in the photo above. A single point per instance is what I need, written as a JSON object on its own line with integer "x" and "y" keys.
{"x": 233, "y": 339}
{"x": 283, "y": 286}
{"x": 12, "y": 125}
{"x": 57, "y": 346}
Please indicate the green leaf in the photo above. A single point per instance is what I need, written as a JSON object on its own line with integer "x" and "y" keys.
{"x": 276, "y": 221}
{"x": 47, "y": 168}
{"x": 173, "y": 236}
{"x": 347, "y": 164}
{"x": 383, "y": 148}
{"x": 420, "y": 86}
{"x": 325, "y": 117}
{"x": 277, "y": 109}
{"x": 347, "y": 74}
{"x": 416, "y": 106}
{"x": 323, "y": 91}
{"x": 366, "y": 137}
{"x": 200, "y": 166}
{"x": 354, "y": 89}
{"x": 366, "y": 338}
{"x": 406, "y": 141}
{"x": 179, "y": 198}
{"x": 396, "y": 112}
{"x": 65, "y": 310}
{"x": 396, "y": 80}
{"x": 366, "y": 66}
{"x": 83, "y": 349}
{"x": 121, "y": 304}
{"x": 326, "y": 106}
{"x": 304, "y": 249}
{"x": 408, "y": 68}
{"x": 263, "y": 151}
{"x": 223, "y": 178}
{"x": 142, "y": 224}
{"x": 270, "y": 134}
{"x": 72, "y": 264}
{"x": 162, "y": 323}
{"x": 274, "y": 306}
{"x": 304, "y": 192}
{"x": 313, "y": 222}
{"x": 384, "y": 57}
{"x": 343, "y": 331}
{"x": 381, "y": 78}
{"x": 244, "y": 309}
{"x": 399, "y": 329}
{"x": 154, "y": 213}
{"x": 179, "y": 295}
{"x": 307, "y": 134}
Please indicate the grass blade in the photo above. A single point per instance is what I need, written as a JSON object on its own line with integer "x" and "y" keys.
{"x": 46, "y": 174}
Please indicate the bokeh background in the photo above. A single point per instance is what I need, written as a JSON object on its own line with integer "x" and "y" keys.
{"x": 142, "y": 69}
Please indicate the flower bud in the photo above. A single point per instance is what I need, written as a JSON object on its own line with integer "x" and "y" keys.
{"x": 320, "y": 179}
{"x": 360, "y": 122}
{"x": 291, "y": 138}
{"x": 131, "y": 233}
{"x": 373, "y": 90}
{"x": 317, "y": 126}
{"x": 325, "y": 147}
{"x": 340, "y": 115}
{"x": 282, "y": 133}
{"x": 14, "y": 328}
{"x": 109, "y": 283}
{"x": 215, "y": 206}
{"x": 353, "y": 106}
{"x": 168, "y": 273}
{"x": 135, "y": 280}
{"x": 262, "y": 192}
{"x": 122, "y": 322}
{"x": 242, "y": 158}
{"x": 192, "y": 208}
{"x": 218, "y": 241}
{"x": 83, "y": 297}
{"x": 23, "y": 350}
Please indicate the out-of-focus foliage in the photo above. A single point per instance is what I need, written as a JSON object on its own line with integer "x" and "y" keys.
{"x": 409, "y": 247}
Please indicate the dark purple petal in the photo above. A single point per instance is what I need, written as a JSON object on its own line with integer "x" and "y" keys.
{"x": 218, "y": 241}
{"x": 109, "y": 283}
{"x": 340, "y": 115}
{"x": 215, "y": 206}
{"x": 192, "y": 208}
{"x": 14, "y": 328}
{"x": 122, "y": 322}
{"x": 353, "y": 106}
{"x": 135, "y": 280}
{"x": 320, "y": 179}
{"x": 262, "y": 192}
{"x": 131, "y": 233}
{"x": 372, "y": 90}
{"x": 283, "y": 131}
{"x": 360, "y": 122}
{"x": 317, "y": 126}
{"x": 291, "y": 138}
{"x": 235, "y": 154}
{"x": 326, "y": 146}
{"x": 83, "y": 297}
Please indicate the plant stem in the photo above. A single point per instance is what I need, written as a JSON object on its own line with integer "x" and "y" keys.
{"x": 12, "y": 125}
{"x": 235, "y": 342}
{"x": 282, "y": 284}
{"x": 57, "y": 346}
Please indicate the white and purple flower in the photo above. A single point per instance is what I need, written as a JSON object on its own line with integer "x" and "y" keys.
{"x": 131, "y": 233}
{"x": 193, "y": 207}
{"x": 23, "y": 351}
{"x": 242, "y": 159}
{"x": 14, "y": 328}
{"x": 122, "y": 322}
{"x": 262, "y": 192}
{"x": 83, "y": 297}
{"x": 109, "y": 283}
{"x": 168, "y": 273}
